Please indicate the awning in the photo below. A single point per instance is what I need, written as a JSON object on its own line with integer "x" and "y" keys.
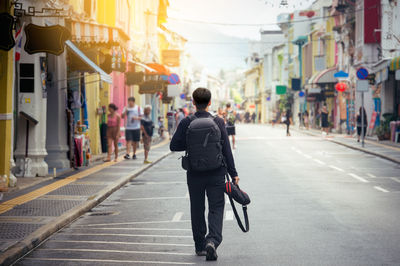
{"x": 395, "y": 63}
{"x": 103, "y": 75}
{"x": 160, "y": 69}
{"x": 142, "y": 65}
{"x": 325, "y": 76}
{"x": 89, "y": 32}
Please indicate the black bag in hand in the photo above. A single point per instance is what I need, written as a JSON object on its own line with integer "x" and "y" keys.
{"x": 235, "y": 193}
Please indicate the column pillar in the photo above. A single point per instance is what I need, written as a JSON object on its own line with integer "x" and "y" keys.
{"x": 56, "y": 130}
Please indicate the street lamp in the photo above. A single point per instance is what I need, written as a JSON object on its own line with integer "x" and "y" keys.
{"x": 300, "y": 41}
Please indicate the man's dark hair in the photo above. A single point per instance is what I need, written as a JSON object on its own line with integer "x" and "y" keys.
{"x": 201, "y": 98}
{"x": 131, "y": 99}
{"x": 113, "y": 106}
{"x": 228, "y": 105}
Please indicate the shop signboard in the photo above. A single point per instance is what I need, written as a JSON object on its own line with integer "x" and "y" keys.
{"x": 296, "y": 84}
{"x": 6, "y": 37}
{"x": 171, "y": 58}
{"x": 280, "y": 89}
{"x": 46, "y": 39}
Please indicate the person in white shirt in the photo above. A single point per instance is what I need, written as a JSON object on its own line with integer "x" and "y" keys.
{"x": 133, "y": 114}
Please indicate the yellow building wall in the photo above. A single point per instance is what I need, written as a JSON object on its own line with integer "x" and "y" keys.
{"x": 93, "y": 102}
{"x": 106, "y": 12}
{"x": 6, "y": 82}
{"x": 330, "y": 44}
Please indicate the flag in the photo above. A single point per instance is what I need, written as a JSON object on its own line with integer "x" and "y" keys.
{"x": 18, "y": 40}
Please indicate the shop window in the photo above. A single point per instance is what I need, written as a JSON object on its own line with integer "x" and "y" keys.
{"x": 27, "y": 78}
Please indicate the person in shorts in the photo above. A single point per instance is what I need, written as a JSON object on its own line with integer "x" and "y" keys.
{"x": 230, "y": 119}
{"x": 133, "y": 114}
{"x": 147, "y": 127}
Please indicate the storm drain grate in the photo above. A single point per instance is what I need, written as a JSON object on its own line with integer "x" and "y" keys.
{"x": 43, "y": 208}
{"x": 86, "y": 190}
{"x": 16, "y": 230}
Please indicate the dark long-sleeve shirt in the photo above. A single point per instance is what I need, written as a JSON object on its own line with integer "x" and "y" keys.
{"x": 178, "y": 143}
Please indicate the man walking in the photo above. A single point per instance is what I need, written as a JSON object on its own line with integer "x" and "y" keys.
{"x": 171, "y": 122}
{"x": 133, "y": 115}
{"x": 200, "y": 179}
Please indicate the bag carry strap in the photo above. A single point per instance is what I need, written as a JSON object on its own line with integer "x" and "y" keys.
{"x": 239, "y": 221}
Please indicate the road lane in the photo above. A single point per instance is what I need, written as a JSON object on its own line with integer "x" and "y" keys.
{"x": 306, "y": 210}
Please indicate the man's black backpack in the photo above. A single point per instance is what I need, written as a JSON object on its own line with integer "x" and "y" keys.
{"x": 203, "y": 145}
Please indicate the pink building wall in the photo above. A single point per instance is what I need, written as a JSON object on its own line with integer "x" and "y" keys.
{"x": 118, "y": 96}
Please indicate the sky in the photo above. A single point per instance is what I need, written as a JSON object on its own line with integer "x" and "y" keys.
{"x": 225, "y": 46}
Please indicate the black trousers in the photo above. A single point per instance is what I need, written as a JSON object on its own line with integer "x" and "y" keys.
{"x": 214, "y": 187}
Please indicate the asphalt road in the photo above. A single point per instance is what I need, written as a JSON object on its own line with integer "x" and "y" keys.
{"x": 313, "y": 203}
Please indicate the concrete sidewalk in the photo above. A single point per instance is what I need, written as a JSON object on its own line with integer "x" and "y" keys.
{"x": 384, "y": 149}
{"x": 31, "y": 215}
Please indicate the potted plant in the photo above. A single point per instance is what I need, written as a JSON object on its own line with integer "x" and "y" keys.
{"x": 383, "y": 130}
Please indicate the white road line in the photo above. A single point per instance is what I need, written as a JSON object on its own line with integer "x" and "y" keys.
{"x": 128, "y": 223}
{"x": 117, "y": 251}
{"x": 121, "y": 243}
{"x": 133, "y": 228}
{"x": 133, "y": 235}
{"x": 307, "y": 156}
{"x": 336, "y": 168}
{"x": 395, "y": 179}
{"x": 320, "y": 162}
{"x": 358, "y": 178}
{"x": 299, "y": 152}
{"x": 381, "y": 189}
{"x": 228, "y": 215}
{"x": 177, "y": 217}
{"x": 112, "y": 261}
{"x": 155, "y": 198}
{"x": 371, "y": 175}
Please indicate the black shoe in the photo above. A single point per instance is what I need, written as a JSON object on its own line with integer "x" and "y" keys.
{"x": 127, "y": 157}
{"x": 201, "y": 253}
{"x": 211, "y": 251}
{"x": 134, "y": 157}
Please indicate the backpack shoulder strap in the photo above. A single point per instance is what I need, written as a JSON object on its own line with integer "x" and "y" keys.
{"x": 192, "y": 118}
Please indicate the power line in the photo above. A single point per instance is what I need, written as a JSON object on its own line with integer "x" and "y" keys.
{"x": 267, "y": 24}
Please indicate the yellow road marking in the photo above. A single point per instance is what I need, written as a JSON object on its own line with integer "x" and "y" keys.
{"x": 8, "y": 205}
{"x": 382, "y": 145}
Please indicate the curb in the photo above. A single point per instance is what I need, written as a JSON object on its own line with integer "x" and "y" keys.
{"x": 367, "y": 151}
{"x": 18, "y": 250}
{"x": 355, "y": 148}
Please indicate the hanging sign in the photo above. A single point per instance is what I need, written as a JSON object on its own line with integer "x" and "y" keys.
{"x": 341, "y": 74}
{"x": 171, "y": 58}
{"x": 341, "y": 86}
{"x": 6, "y": 37}
{"x": 362, "y": 73}
{"x": 46, "y": 39}
{"x": 296, "y": 84}
{"x": 280, "y": 89}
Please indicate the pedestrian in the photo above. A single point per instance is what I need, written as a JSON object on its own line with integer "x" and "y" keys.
{"x": 180, "y": 116}
{"x": 253, "y": 117}
{"x": 133, "y": 114}
{"x": 230, "y": 120}
{"x": 113, "y": 131}
{"x": 306, "y": 120}
{"x": 171, "y": 122}
{"x": 211, "y": 179}
{"x": 160, "y": 127}
{"x": 288, "y": 121}
{"x": 220, "y": 112}
{"x": 147, "y": 127}
{"x": 324, "y": 120}
{"x": 247, "y": 117}
{"x": 360, "y": 125}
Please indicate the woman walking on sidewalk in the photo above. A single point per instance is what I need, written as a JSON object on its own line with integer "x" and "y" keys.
{"x": 147, "y": 127}
{"x": 288, "y": 121}
{"x": 360, "y": 125}
{"x": 113, "y": 134}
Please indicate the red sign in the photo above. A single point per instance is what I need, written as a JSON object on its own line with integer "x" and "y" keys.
{"x": 341, "y": 86}
{"x": 252, "y": 106}
{"x": 373, "y": 120}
